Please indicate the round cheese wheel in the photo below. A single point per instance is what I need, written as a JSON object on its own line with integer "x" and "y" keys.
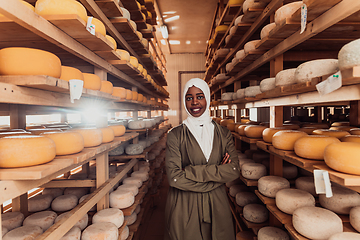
{"x": 270, "y": 185}
{"x": 124, "y": 55}
{"x": 240, "y": 93}
{"x": 285, "y": 77}
{"x": 137, "y": 181}
{"x": 332, "y": 133}
{"x": 29, "y": 61}
{"x": 128, "y": 94}
{"x": 313, "y": 146}
{"x": 112, "y": 41}
{"x": 113, "y": 215}
{"x": 129, "y": 187}
{"x": 140, "y": 97}
{"x": 134, "y": 61}
{"x": 119, "y": 130}
{"x": 227, "y": 96}
{"x": 253, "y": 171}
{"x": 24, "y": 151}
{"x": 221, "y": 28}
{"x": 345, "y": 235}
{"x": 64, "y": 203}
{"x": 251, "y": 46}
{"x": 307, "y": 130}
{"x": 233, "y": 29}
{"x": 342, "y": 201}
{"x": 121, "y": 199}
{"x": 134, "y": 95}
{"x": 355, "y": 217}
{"x": 125, "y": 233}
{"x": 255, "y": 213}
{"x": 349, "y": 55}
{"x": 54, "y": 7}
{"x": 252, "y": 91}
{"x": 106, "y": 87}
{"x": 288, "y": 200}
{"x": 66, "y": 142}
{"x": 4, "y": 231}
{"x": 286, "y": 11}
{"x": 306, "y": 184}
{"x": 73, "y": 234}
{"x": 316, "y": 223}
{"x": 92, "y": 136}
{"x": 235, "y": 189}
{"x": 343, "y": 157}
{"x": 144, "y": 176}
{"x": 272, "y": 233}
{"x": 268, "y": 133}
{"x": 92, "y": 81}
{"x": 11, "y": 220}
{"x": 44, "y": 219}
{"x": 254, "y": 131}
{"x": 266, "y": 30}
{"x": 100, "y": 230}
{"x": 133, "y": 25}
{"x": 54, "y": 192}
{"x": 119, "y": 92}
{"x": 231, "y": 126}
{"x": 99, "y": 26}
{"x": 267, "y": 84}
{"x": 134, "y": 149}
{"x": 245, "y": 235}
{"x": 68, "y": 73}
{"x": 316, "y": 68}
{"x": 253, "y": 4}
{"x": 131, "y": 219}
{"x": 137, "y": 209}
{"x": 338, "y": 124}
{"x": 23, "y": 233}
{"x": 82, "y": 223}
{"x": 77, "y": 191}
{"x": 245, "y": 198}
{"x": 242, "y": 161}
{"x": 39, "y": 203}
{"x": 108, "y": 134}
{"x": 125, "y": 13}
{"x": 286, "y": 139}
{"x": 351, "y": 138}
{"x": 240, "y": 55}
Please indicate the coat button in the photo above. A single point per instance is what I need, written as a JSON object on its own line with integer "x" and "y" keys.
{"x": 175, "y": 179}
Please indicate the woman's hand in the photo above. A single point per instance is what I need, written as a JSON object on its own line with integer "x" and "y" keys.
{"x": 226, "y": 159}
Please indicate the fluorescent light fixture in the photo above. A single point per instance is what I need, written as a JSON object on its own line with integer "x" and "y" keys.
{"x": 174, "y": 42}
{"x": 164, "y": 31}
{"x": 172, "y": 18}
{"x": 164, "y": 16}
{"x": 169, "y": 12}
{"x": 174, "y": 27}
{"x": 188, "y": 42}
{"x": 163, "y": 42}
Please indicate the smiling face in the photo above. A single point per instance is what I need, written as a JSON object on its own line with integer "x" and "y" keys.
{"x": 195, "y": 101}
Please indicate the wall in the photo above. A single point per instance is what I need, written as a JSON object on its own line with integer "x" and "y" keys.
{"x": 174, "y": 64}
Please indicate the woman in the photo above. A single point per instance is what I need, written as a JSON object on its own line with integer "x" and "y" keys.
{"x": 200, "y": 158}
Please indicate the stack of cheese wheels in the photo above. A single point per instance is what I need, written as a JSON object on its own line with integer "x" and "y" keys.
{"x": 92, "y": 81}
{"x": 254, "y": 131}
{"x": 285, "y": 140}
{"x": 68, "y": 73}
{"x": 342, "y": 201}
{"x": 101, "y": 230}
{"x": 82, "y": 223}
{"x": 285, "y": 77}
{"x": 128, "y": 94}
{"x": 124, "y": 55}
{"x": 54, "y": 7}
{"x": 267, "y": 84}
{"x": 313, "y": 146}
{"x": 24, "y": 151}
{"x": 39, "y": 203}
{"x": 134, "y": 95}
{"x": 44, "y": 219}
{"x": 306, "y": 184}
{"x": 270, "y": 185}
{"x": 121, "y": 198}
{"x": 66, "y": 142}
{"x": 272, "y": 233}
{"x": 113, "y": 215}
{"x": 255, "y": 213}
{"x": 266, "y": 30}
{"x": 288, "y": 200}
{"x": 106, "y": 87}
{"x": 24, "y": 232}
{"x": 349, "y": 55}
{"x": 268, "y": 133}
{"x": 332, "y": 133}
{"x": 286, "y": 11}
{"x": 29, "y": 61}
{"x": 119, "y": 130}
{"x": 244, "y": 198}
{"x": 253, "y": 171}
{"x": 64, "y": 203}
{"x": 316, "y": 68}
{"x": 316, "y": 223}
{"x": 12, "y": 220}
{"x": 225, "y": 122}
{"x": 92, "y": 136}
{"x": 108, "y": 134}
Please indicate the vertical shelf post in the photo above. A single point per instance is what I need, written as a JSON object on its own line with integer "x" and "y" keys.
{"x": 276, "y": 116}
{"x": 354, "y": 113}
{"x": 102, "y": 175}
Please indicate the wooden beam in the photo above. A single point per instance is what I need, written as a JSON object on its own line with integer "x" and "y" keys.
{"x": 69, "y": 183}
{"x": 17, "y": 116}
{"x": 276, "y": 165}
{"x": 102, "y": 175}
{"x": 276, "y": 116}
{"x": 276, "y": 65}
{"x": 354, "y": 113}
{"x": 20, "y": 204}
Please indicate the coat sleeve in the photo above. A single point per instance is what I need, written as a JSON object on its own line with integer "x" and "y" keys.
{"x": 217, "y": 173}
{"x": 175, "y": 173}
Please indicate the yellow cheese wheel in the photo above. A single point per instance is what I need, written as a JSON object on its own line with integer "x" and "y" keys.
{"x": 134, "y": 95}
{"x": 343, "y": 157}
{"x": 221, "y": 28}
{"x": 112, "y": 40}
{"x": 241, "y": 129}
{"x": 231, "y": 126}
{"x": 355, "y": 131}
{"x": 235, "y": 2}
{"x": 144, "y": 72}
{"x": 68, "y": 73}
{"x": 244, "y": 120}
{"x": 313, "y": 146}
{"x": 308, "y": 130}
{"x": 124, "y": 55}
{"x": 119, "y": 130}
{"x": 56, "y": 7}
{"x": 342, "y": 128}
{"x": 128, "y": 94}
{"x": 92, "y": 81}
{"x": 66, "y": 142}
{"x": 29, "y": 61}
{"x": 133, "y": 25}
{"x": 332, "y": 133}
{"x": 119, "y": 92}
{"x": 24, "y": 151}
{"x": 140, "y": 97}
{"x": 9, "y": 134}
{"x": 337, "y": 124}
{"x": 286, "y": 139}
{"x": 254, "y": 131}
{"x": 108, "y": 134}
{"x": 268, "y": 133}
{"x": 134, "y": 61}
{"x": 225, "y": 122}
{"x": 92, "y": 136}
{"x": 31, "y": 7}
{"x": 351, "y": 138}
{"x": 139, "y": 34}
{"x": 145, "y": 100}
{"x": 99, "y": 26}
{"x": 140, "y": 67}
{"x": 106, "y": 87}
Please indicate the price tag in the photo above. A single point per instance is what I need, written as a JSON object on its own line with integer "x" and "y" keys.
{"x": 76, "y": 87}
{"x": 89, "y": 26}
{"x": 331, "y": 84}
{"x": 322, "y": 183}
{"x": 303, "y": 18}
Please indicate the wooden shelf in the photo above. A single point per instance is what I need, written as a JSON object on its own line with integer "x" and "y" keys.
{"x": 347, "y": 180}
{"x": 249, "y": 182}
{"x": 110, "y": 8}
{"x": 263, "y": 145}
{"x": 264, "y": 199}
{"x": 241, "y": 29}
{"x": 254, "y": 225}
{"x": 281, "y": 216}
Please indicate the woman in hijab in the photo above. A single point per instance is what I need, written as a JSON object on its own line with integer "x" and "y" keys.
{"x": 200, "y": 158}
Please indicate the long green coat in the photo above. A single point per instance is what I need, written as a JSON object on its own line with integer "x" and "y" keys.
{"x": 197, "y": 207}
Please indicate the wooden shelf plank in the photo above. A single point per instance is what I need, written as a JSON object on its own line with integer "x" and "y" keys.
{"x": 128, "y": 211}
{"x": 281, "y": 216}
{"x": 351, "y": 76}
{"x": 241, "y": 29}
{"x": 315, "y": 8}
{"x": 254, "y": 225}
{"x": 252, "y": 14}
{"x": 340, "y": 178}
{"x": 264, "y": 199}
{"x": 249, "y": 58}
{"x": 294, "y": 234}
{"x": 263, "y": 145}
{"x": 110, "y": 8}
{"x": 148, "y": 34}
{"x": 249, "y": 182}
{"x": 108, "y": 55}
{"x": 125, "y": 29}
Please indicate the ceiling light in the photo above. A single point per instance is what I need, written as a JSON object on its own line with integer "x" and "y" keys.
{"x": 169, "y": 12}
{"x": 163, "y": 42}
{"x": 172, "y": 18}
{"x": 174, "y": 42}
{"x": 188, "y": 42}
{"x": 164, "y": 31}
{"x": 173, "y": 27}
{"x": 164, "y": 16}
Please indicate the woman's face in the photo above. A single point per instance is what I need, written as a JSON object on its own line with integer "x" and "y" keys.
{"x": 195, "y": 101}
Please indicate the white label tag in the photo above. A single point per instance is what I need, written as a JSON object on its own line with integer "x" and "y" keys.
{"x": 76, "y": 87}
{"x": 303, "y": 18}
{"x": 322, "y": 183}
{"x": 89, "y": 26}
{"x": 331, "y": 84}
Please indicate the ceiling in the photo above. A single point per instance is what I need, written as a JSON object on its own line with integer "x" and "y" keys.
{"x": 191, "y": 27}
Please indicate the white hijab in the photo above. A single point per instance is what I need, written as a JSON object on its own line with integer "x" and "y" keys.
{"x": 203, "y": 134}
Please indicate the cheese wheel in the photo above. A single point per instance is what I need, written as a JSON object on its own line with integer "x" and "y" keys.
{"x": 113, "y": 215}
{"x": 140, "y": 97}
{"x": 253, "y": 171}
{"x": 338, "y": 124}
{"x": 233, "y": 29}
{"x": 345, "y": 235}
{"x": 108, "y": 134}
{"x": 307, "y": 130}
{"x": 254, "y": 131}
{"x": 121, "y": 199}
{"x": 227, "y": 96}
{"x": 129, "y": 187}
{"x": 39, "y": 203}
{"x": 225, "y": 122}
{"x": 134, "y": 95}
{"x": 112, "y": 41}
{"x": 270, "y": 185}
{"x": 29, "y": 61}
{"x": 285, "y": 77}
{"x": 354, "y": 217}
{"x": 133, "y": 180}
{"x": 267, "y": 84}
{"x": 332, "y": 133}
{"x": 54, "y": 7}
{"x": 125, "y": 13}
{"x": 134, "y": 61}
{"x": 124, "y": 55}
{"x": 24, "y": 151}
{"x": 133, "y": 25}
{"x": 68, "y": 73}
{"x": 144, "y": 176}
{"x": 81, "y": 224}
{"x": 255, "y": 213}
{"x": 77, "y": 191}
{"x": 64, "y": 203}
{"x": 128, "y": 94}
{"x": 316, "y": 223}
{"x": 316, "y": 68}
{"x": 136, "y": 124}
{"x": 106, "y": 87}
{"x": 92, "y": 81}
{"x": 351, "y": 138}
{"x": 342, "y": 128}
{"x": 28, "y": 5}
{"x": 11, "y": 220}
{"x": 100, "y": 231}
{"x": 251, "y": 46}
{"x": 286, "y": 139}
{"x": 349, "y": 55}
{"x": 286, "y": 11}
{"x": 272, "y": 233}
{"x": 221, "y": 28}
{"x": 145, "y": 42}
{"x": 125, "y": 233}
{"x": 343, "y": 157}
{"x": 288, "y": 200}
{"x": 254, "y": 4}
{"x": 54, "y": 192}
{"x": 66, "y": 142}
{"x": 131, "y": 219}
{"x": 23, "y": 233}
{"x": 252, "y": 91}
{"x": 4, "y": 231}
{"x": 99, "y": 26}
{"x": 266, "y": 30}
{"x": 222, "y": 77}
{"x": 73, "y": 234}
{"x": 268, "y": 133}
{"x": 245, "y": 198}
{"x": 231, "y": 126}
{"x": 313, "y": 146}
{"x": 306, "y": 184}
{"x": 83, "y": 198}
{"x": 119, "y": 130}
{"x": 235, "y": 189}
{"x": 245, "y": 235}
{"x": 92, "y": 136}
{"x": 342, "y": 201}
{"x": 44, "y": 219}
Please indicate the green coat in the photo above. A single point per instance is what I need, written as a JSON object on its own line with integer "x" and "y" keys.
{"x": 197, "y": 206}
